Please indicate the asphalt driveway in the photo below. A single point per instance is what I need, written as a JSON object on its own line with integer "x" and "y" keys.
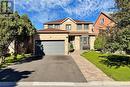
{"x": 46, "y": 69}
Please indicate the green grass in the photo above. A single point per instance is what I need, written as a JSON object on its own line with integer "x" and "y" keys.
{"x": 121, "y": 73}
{"x": 19, "y": 57}
{"x": 10, "y": 60}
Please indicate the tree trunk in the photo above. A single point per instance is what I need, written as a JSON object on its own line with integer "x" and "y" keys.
{"x": 3, "y": 60}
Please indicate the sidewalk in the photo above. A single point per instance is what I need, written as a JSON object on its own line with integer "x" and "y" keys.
{"x": 66, "y": 84}
{"x": 89, "y": 70}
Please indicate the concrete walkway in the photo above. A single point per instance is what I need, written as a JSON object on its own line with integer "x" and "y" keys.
{"x": 89, "y": 70}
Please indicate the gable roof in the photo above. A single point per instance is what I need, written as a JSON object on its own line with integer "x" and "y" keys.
{"x": 63, "y": 20}
{"x": 105, "y": 14}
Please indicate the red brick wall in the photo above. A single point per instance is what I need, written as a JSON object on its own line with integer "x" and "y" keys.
{"x": 98, "y": 25}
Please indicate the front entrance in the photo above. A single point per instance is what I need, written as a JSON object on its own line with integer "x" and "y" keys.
{"x": 71, "y": 43}
{"x": 84, "y": 41}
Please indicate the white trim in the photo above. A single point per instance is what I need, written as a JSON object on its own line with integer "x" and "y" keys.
{"x": 67, "y": 19}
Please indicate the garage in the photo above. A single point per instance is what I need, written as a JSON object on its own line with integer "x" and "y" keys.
{"x": 51, "y": 42}
{"x": 50, "y": 47}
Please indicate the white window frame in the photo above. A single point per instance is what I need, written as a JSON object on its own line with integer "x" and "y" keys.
{"x": 68, "y": 26}
{"x": 102, "y": 21}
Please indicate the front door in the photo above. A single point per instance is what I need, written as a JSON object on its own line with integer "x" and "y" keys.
{"x": 84, "y": 42}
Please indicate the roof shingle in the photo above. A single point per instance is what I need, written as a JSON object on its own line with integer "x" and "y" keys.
{"x": 52, "y": 30}
{"x": 55, "y": 31}
{"x": 62, "y": 20}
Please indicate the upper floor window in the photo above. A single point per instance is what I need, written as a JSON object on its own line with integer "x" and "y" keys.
{"x": 86, "y": 27}
{"x": 68, "y": 26}
{"x": 50, "y": 26}
{"x": 108, "y": 29}
{"x": 102, "y": 21}
{"x": 101, "y": 31}
{"x": 79, "y": 26}
{"x": 92, "y": 30}
{"x": 57, "y": 26}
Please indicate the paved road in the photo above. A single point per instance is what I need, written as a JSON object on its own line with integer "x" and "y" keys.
{"x": 46, "y": 69}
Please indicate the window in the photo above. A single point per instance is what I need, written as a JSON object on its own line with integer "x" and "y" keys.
{"x": 57, "y": 26}
{"x": 108, "y": 29}
{"x": 79, "y": 26}
{"x": 92, "y": 30}
{"x": 102, "y": 21}
{"x": 101, "y": 30}
{"x": 50, "y": 26}
{"x": 68, "y": 26}
{"x": 86, "y": 27}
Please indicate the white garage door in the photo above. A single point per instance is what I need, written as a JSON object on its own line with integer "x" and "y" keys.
{"x": 53, "y": 47}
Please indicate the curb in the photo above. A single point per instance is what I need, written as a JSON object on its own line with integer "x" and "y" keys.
{"x": 66, "y": 84}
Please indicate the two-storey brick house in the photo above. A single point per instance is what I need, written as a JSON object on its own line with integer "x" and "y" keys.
{"x": 56, "y": 36}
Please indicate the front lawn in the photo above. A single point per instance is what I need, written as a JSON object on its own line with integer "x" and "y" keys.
{"x": 115, "y": 66}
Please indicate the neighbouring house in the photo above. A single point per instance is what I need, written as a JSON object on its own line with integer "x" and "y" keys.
{"x": 104, "y": 22}
{"x": 56, "y": 36}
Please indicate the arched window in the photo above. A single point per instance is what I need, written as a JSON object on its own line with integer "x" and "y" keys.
{"x": 102, "y": 21}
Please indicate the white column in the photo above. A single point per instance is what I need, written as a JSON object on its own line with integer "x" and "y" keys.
{"x": 77, "y": 42}
{"x": 91, "y": 42}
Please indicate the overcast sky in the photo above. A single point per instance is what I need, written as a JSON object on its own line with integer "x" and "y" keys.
{"x": 41, "y": 11}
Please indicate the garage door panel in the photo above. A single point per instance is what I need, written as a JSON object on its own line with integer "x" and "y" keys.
{"x": 53, "y": 47}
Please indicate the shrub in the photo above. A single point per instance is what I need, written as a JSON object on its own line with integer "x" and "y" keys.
{"x": 10, "y": 59}
{"x": 100, "y": 43}
{"x": 71, "y": 47}
{"x": 128, "y": 48}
